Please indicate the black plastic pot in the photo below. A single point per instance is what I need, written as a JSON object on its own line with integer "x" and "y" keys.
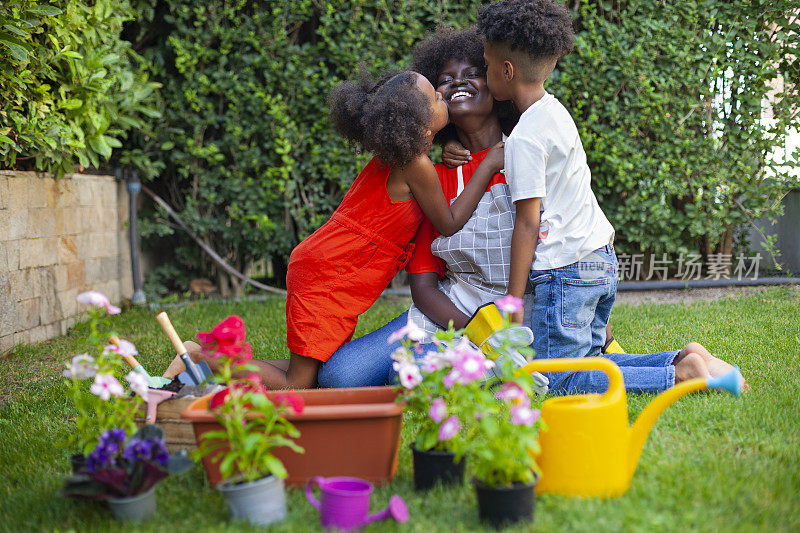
{"x": 432, "y": 467}
{"x": 77, "y": 460}
{"x": 501, "y": 506}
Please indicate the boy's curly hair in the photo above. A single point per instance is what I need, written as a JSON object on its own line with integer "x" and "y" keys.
{"x": 387, "y": 116}
{"x": 541, "y": 28}
{"x": 447, "y": 43}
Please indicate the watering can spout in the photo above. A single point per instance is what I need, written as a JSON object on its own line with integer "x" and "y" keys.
{"x": 730, "y": 382}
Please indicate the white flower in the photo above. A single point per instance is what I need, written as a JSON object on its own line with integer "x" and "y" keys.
{"x": 409, "y": 374}
{"x": 105, "y": 386}
{"x": 122, "y": 347}
{"x": 98, "y": 299}
{"x": 433, "y": 361}
{"x": 402, "y": 355}
{"x": 410, "y": 331}
{"x": 81, "y": 367}
{"x": 138, "y": 383}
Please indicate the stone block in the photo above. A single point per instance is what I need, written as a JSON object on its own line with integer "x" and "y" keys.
{"x": 84, "y": 187}
{"x": 17, "y": 223}
{"x": 91, "y": 269}
{"x": 109, "y": 187}
{"x": 72, "y": 221}
{"x": 96, "y": 245}
{"x": 37, "y": 335}
{"x": 37, "y": 190}
{"x": 6, "y": 344}
{"x": 61, "y": 277}
{"x": 111, "y": 242}
{"x": 67, "y": 302}
{"x": 17, "y": 192}
{"x": 49, "y": 307}
{"x": 109, "y": 269}
{"x": 11, "y": 256}
{"x": 4, "y": 192}
{"x": 26, "y": 283}
{"x": 28, "y": 317}
{"x": 49, "y": 251}
{"x": 8, "y": 306}
{"x": 76, "y": 277}
{"x": 65, "y": 193}
{"x": 31, "y": 252}
{"x": 67, "y": 249}
{"x": 41, "y": 222}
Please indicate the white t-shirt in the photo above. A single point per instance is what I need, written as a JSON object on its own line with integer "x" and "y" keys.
{"x": 544, "y": 158}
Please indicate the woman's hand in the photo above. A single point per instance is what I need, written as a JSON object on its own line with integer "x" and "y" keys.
{"x": 494, "y": 160}
{"x": 454, "y": 154}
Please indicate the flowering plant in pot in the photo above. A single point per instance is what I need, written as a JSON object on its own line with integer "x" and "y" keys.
{"x": 501, "y": 447}
{"x": 251, "y": 427}
{"x": 124, "y": 470}
{"x": 438, "y": 390}
{"x": 95, "y": 380}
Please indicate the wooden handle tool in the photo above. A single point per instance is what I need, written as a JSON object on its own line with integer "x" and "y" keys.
{"x": 180, "y": 349}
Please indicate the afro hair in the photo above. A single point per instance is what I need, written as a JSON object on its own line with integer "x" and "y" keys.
{"x": 388, "y": 116}
{"x": 448, "y": 43}
{"x": 541, "y": 28}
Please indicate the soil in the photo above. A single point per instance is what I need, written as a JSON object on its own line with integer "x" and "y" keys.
{"x": 173, "y": 386}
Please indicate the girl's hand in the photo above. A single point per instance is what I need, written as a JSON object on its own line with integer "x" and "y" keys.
{"x": 454, "y": 154}
{"x": 495, "y": 158}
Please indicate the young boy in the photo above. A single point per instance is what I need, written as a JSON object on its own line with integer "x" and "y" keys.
{"x": 561, "y": 243}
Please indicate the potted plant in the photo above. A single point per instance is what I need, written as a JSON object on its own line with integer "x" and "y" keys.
{"x": 438, "y": 390}
{"x": 504, "y": 439}
{"x": 124, "y": 471}
{"x": 251, "y": 427}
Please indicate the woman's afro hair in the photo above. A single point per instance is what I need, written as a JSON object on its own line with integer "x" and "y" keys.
{"x": 542, "y": 28}
{"x": 387, "y": 116}
{"x": 448, "y": 43}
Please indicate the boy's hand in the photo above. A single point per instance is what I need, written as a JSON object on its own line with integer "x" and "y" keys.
{"x": 454, "y": 154}
{"x": 495, "y": 158}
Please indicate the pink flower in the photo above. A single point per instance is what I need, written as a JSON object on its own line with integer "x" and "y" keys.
{"x": 105, "y": 386}
{"x": 509, "y": 304}
{"x": 522, "y": 415}
{"x": 227, "y": 340}
{"x": 438, "y": 410}
{"x": 511, "y": 392}
{"x": 81, "y": 367}
{"x": 471, "y": 365}
{"x": 408, "y": 373}
{"x": 138, "y": 383}
{"x": 410, "y": 331}
{"x": 432, "y": 362}
{"x": 122, "y": 347}
{"x": 294, "y": 401}
{"x": 451, "y": 378}
{"x": 98, "y": 299}
{"x": 449, "y": 428}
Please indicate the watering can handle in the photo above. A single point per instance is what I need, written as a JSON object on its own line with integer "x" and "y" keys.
{"x": 310, "y": 492}
{"x": 615, "y": 381}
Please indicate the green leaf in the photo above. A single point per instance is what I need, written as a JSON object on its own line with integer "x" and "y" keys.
{"x": 6, "y": 140}
{"x": 100, "y": 146}
{"x": 43, "y": 10}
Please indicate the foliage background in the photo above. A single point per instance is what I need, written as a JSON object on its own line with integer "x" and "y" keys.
{"x": 667, "y": 96}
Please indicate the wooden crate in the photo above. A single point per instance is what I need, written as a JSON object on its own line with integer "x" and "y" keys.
{"x": 178, "y": 433}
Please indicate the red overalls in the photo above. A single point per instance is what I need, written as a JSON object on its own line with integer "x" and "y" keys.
{"x": 336, "y": 273}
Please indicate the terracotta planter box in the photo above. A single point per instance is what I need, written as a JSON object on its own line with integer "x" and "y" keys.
{"x": 178, "y": 433}
{"x": 345, "y": 432}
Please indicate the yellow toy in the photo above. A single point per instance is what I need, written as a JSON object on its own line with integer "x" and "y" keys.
{"x": 588, "y": 448}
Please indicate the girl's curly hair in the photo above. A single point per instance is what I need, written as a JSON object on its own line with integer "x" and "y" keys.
{"x": 448, "y": 43}
{"x": 542, "y": 28}
{"x": 387, "y": 116}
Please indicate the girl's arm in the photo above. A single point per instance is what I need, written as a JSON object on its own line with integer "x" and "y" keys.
{"x": 421, "y": 178}
{"x": 434, "y": 303}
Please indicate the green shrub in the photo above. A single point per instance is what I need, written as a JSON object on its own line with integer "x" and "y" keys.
{"x": 71, "y": 87}
{"x": 253, "y": 166}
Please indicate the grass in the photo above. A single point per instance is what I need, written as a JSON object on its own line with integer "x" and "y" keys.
{"x": 711, "y": 463}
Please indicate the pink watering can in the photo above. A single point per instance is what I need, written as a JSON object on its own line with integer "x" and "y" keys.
{"x": 345, "y": 503}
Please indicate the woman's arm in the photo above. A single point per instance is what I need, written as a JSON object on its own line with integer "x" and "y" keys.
{"x": 424, "y": 183}
{"x": 434, "y": 303}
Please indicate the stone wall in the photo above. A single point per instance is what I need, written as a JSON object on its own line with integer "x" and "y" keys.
{"x": 58, "y": 237}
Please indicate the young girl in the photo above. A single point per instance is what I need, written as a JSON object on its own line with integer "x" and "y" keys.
{"x": 340, "y": 270}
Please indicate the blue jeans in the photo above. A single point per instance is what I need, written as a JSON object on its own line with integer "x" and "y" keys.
{"x": 571, "y": 307}
{"x": 365, "y": 361}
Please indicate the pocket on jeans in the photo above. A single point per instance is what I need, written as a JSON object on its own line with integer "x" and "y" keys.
{"x": 579, "y": 299}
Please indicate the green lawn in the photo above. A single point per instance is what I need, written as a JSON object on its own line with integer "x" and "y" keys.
{"x": 712, "y": 462}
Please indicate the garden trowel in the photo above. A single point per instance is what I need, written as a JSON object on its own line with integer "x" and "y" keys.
{"x": 155, "y": 382}
{"x": 195, "y": 373}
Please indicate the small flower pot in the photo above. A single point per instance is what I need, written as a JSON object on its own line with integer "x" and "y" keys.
{"x": 504, "y": 505}
{"x": 259, "y": 502}
{"x": 134, "y": 508}
{"x": 432, "y": 467}
{"x": 78, "y": 461}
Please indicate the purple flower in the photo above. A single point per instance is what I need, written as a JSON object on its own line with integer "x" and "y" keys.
{"x": 410, "y": 331}
{"x": 438, "y": 410}
{"x": 81, "y": 367}
{"x": 159, "y": 451}
{"x": 512, "y": 392}
{"x": 408, "y": 373}
{"x": 471, "y": 365}
{"x": 138, "y": 450}
{"x": 509, "y": 304}
{"x": 449, "y": 428}
{"x": 105, "y": 386}
{"x": 98, "y": 299}
{"x": 522, "y": 415}
{"x": 104, "y": 454}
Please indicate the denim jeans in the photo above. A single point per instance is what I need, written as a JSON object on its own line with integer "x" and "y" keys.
{"x": 571, "y": 307}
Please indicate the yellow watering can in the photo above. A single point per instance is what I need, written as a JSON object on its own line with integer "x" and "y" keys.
{"x": 588, "y": 448}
